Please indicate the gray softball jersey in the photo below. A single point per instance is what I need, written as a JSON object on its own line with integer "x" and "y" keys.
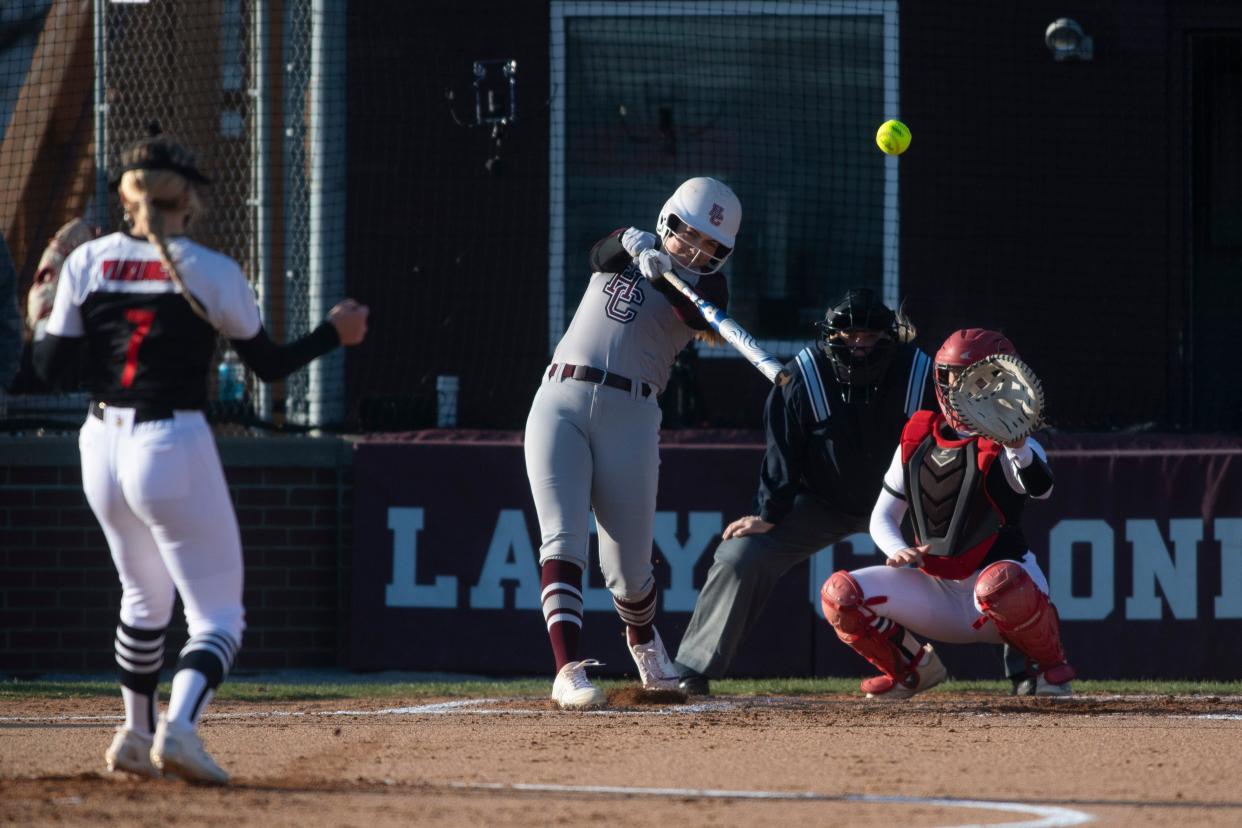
{"x": 594, "y": 448}
{"x": 628, "y": 326}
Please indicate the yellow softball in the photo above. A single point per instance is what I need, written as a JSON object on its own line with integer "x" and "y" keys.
{"x": 893, "y": 137}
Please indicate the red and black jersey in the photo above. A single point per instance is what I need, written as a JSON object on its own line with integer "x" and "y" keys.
{"x": 145, "y": 346}
{"x": 145, "y": 349}
{"x": 139, "y": 342}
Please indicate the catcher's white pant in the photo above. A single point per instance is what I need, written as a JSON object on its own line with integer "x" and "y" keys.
{"x": 590, "y": 447}
{"x": 937, "y": 608}
{"x": 158, "y": 491}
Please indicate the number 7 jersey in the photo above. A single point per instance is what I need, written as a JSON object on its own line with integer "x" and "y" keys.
{"x": 146, "y": 346}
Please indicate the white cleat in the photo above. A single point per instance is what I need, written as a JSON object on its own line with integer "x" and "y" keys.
{"x": 131, "y": 752}
{"x": 928, "y": 672}
{"x": 655, "y": 670}
{"x": 178, "y": 751}
{"x": 572, "y": 690}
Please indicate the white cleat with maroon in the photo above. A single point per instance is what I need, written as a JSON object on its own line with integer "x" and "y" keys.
{"x": 572, "y": 690}
{"x": 655, "y": 670}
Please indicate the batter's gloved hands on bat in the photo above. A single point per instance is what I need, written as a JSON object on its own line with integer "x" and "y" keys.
{"x": 653, "y": 264}
{"x": 350, "y": 320}
{"x": 635, "y": 241}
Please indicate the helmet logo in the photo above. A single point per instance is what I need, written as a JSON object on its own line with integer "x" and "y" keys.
{"x": 965, "y": 354}
{"x": 716, "y": 214}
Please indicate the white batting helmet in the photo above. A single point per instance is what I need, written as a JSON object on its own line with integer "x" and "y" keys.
{"x": 709, "y": 207}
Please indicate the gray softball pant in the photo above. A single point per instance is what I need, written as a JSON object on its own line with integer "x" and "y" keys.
{"x": 595, "y": 448}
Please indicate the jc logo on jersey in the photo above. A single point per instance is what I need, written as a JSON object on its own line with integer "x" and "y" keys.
{"x": 624, "y": 295}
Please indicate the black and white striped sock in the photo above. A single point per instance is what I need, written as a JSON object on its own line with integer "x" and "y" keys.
{"x": 139, "y": 656}
{"x": 205, "y": 660}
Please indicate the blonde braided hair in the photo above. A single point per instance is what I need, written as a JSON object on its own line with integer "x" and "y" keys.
{"x": 146, "y": 195}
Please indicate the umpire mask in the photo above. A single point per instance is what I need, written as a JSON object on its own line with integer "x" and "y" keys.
{"x": 859, "y": 338}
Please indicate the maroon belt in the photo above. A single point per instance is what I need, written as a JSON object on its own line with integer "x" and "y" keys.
{"x": 586, "y": 373}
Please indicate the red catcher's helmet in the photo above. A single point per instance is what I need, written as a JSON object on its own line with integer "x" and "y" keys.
{"x": 963, "y": 348}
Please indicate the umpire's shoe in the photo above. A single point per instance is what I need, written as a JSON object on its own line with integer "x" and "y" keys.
{"x": 695, "y": 684}
{"x": 131, "y": 752}
{"x": 178, "y": 751}
{"x": 1023, "y": 685}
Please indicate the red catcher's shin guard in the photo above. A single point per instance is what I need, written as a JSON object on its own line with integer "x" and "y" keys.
{"x": 1023, "y": 615}
{"x": 844, "y": 603}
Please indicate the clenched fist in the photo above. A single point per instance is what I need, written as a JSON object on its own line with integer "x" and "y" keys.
{"x": 350, "y": 320}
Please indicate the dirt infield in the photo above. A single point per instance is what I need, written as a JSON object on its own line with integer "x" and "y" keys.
{"x": 728, "y": 760}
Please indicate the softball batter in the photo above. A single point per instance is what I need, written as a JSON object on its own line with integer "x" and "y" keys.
{"x": 971, "y": 578}
{"x": 141, "y": 310}
{"x": 592, "y": 437}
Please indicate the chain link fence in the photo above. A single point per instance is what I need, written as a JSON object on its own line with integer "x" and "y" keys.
{"x": 233, "y": 80}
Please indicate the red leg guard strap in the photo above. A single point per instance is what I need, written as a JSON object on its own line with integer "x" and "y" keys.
{"x": 1021, "y": 612}
{"x": 844, "y": 604}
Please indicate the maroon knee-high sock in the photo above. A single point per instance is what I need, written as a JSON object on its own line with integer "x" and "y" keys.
{"x": 561, "y": 583}
{"x": 639, "y": 617}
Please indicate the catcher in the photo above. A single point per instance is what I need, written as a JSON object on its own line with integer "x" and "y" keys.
{"x": 965, "y": 473}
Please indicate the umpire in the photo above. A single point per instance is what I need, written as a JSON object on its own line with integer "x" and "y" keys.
{"x": 831, "y": 432}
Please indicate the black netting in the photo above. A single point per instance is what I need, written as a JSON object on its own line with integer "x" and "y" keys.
{"x": 451, "y": 165}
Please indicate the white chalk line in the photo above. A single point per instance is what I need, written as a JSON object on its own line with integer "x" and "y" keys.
{"x": 434, "y": 709}
{"x": 1052, "y": 816}
{"x": 475, "y": 707}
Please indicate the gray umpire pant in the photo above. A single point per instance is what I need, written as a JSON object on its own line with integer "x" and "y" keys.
{"x": 743, "y": 575}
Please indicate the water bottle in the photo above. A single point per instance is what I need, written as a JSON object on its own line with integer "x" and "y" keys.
{"x": 231, "y": 384}
{"x": 446, "y": 401}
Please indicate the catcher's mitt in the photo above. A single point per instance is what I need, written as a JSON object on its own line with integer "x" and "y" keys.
{"x": 67, "y": 238}
{"x": 999, "y": 397}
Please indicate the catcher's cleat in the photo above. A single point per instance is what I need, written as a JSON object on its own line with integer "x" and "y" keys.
{"x": 927, "y": 673}
{"x": 178, "y": 751}
{"x": 655, "y": 669}
{"x": 1055, "y": 681}
{"x": 1045, "y": 688}
{"x": 130, "y": 751}
{"x": 572, "y": 690}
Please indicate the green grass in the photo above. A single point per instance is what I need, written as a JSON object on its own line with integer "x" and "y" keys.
{"x": 345, "y": 687}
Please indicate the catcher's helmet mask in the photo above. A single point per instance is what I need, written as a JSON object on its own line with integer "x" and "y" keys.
{"x": 963, "y": 348}
{"x": 859, "y": 310}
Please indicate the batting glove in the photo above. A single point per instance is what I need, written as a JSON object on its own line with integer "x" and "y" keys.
{"x": 653, "y": 264}
{"x": 635, "y": 241}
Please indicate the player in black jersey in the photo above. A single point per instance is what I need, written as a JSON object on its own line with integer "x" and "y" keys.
{"x": 831, "y": 432}
{"x": 140, "y": 312}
